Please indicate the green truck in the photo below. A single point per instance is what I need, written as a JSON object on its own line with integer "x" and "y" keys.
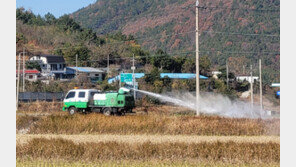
{"x": 92, "y": 100}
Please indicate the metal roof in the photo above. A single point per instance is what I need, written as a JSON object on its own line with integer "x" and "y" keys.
{"x": 162, "y": 75}
{"x": 29, "y": 71}
{"x": 95, "y": 90}
{"x": 275, "y": 85}
{"x": 181, "y": 75}
{"x": 54, "y": 59}
{"x": 87, "y": 69}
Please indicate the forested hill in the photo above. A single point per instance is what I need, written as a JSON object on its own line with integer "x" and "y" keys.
{"x": 63, "y": 36}
{"x": 240, "y": 31}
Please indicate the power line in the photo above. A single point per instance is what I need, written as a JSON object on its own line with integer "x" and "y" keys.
{"x": 248, "y": 9}
{"x": 227, "y": 52}
{"x": 243, "y": 34}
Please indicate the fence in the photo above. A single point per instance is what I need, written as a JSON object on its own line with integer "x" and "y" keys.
{"x": 42, "y": 96}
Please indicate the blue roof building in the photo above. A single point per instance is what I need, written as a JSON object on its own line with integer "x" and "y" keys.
{"x": 181, "y": 75}
{"x": 95, "y": 74}
{"x": 163, "y": 75}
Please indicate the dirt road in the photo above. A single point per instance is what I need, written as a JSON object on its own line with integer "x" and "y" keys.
{"x": 24, "y": 138}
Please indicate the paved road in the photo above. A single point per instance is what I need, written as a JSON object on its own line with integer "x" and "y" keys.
{"x": 24, "y": 138}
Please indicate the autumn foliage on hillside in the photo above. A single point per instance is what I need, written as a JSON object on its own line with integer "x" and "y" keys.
{"x": 170, "y": 25}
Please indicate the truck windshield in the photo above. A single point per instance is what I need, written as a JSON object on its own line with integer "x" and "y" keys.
{"x": 70, "y": 95}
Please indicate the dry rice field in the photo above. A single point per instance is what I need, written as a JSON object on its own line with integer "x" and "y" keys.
{"x": 161, "y": 137}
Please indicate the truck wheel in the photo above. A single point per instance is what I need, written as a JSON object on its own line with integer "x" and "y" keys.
{"x": 107, "y": 111}
{"x": 72, "y": 110}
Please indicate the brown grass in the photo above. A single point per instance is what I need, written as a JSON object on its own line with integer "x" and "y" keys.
{"x": 218, "y": 151}
{"x": 41, "y": 107}
{"x": 149, "y": 124}
{"x": 143, "y": 163}
{"x": 25, "y": 122}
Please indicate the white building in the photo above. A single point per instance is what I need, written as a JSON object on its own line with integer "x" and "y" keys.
{"x": 275, "y": 85}
{"x": 216, "y": 73}
{"x": 247, "y": 78}
{"x": 51, "y": 65}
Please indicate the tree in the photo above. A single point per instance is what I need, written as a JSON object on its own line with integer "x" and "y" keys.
{"x": 204, "y": 65}
{"x": 50, "y": 19}
{"x": 20, "y": 39}
{"x": 178, "y": 64}
{"x": 27, "y": 17}
{"x": 82, "y": 51}
{"x": 236, "y": 63}
{"x": 23, "y": 15}
{"x": 223, "y": 74}
{"x": 163, "y": 61}
{"x": 33, "y": 65}
{"x": 153, "y": 76}
{"x": 38, "y": 21}
{"x": 189, "y": 66}
{"x": 119, "y": 36}
{"x": 88, "y": 35}
{"x": 67, "y": 23}
{"x": 242, "y": 86}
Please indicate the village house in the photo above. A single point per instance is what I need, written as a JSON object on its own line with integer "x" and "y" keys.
{"x": 247, "y": 78}
{"x": 94, "y": 74}
{"x": 30, "y": 75}
{"x": 51, "y": 66}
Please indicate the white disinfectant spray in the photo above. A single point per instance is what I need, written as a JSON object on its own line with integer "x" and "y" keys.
{"x": 210, "y": 103}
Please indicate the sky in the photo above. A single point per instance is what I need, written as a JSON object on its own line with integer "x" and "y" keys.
{"x": 55, "y": 7}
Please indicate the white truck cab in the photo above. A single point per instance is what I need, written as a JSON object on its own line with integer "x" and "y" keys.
{"x": 78, "y": 99}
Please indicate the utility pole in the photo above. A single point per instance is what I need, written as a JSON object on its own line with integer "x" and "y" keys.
{"x": 76, "y": 61}
{"x": 197, "y": 60}
{"x": 227, "y": 73}
{"x": 18, "y": 80}
{"x": 243, "y": 69}
{"x": 134, "y": 83}
{"x": 120, "y": 79}
{"x": 252, "y": 99}
{"x": 23, "y": 69}
{"x": 108, "y": 66}
{"x": 260, "y": 75}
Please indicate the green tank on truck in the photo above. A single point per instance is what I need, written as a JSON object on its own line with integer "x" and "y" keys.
{"x": 91, "y": 100}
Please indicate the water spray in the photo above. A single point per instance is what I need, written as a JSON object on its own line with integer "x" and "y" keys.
{"x": 211, "y": 104}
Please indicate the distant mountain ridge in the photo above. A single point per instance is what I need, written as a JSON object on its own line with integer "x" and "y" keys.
{"x": 170, "y": 25}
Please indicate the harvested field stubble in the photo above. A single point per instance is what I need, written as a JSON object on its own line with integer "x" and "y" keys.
{"x": 24, "y": 122}
{"x": 41, "y": 106}
{"x": 150, "y": 124}
{"x": 229, "y": 152}
{"x": 143, "y": 163}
